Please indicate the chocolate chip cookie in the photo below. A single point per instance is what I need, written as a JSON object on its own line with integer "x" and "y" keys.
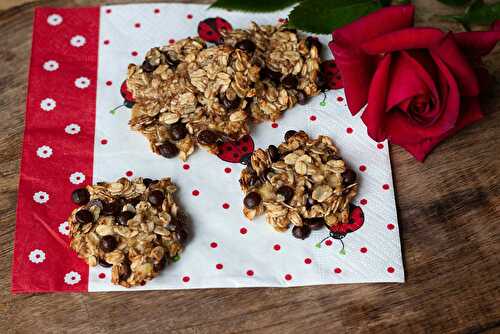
{"x": 190, "y": 94}
{"x": 135, "y": 227}
{"x": 303, "y": 182}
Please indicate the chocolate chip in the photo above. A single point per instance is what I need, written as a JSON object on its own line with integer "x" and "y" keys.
{"x": 229, "y": 104}
{"x": 112, "y": 208}
{"x": 108, "y": 243}
{"x": 245, "y": 45}
{"x": 313, "y": 41}
{"x": 274, "y": 153}
{"x": 148, "y": 67}
{"x": 310, "y": 202}
{"x": 285, "y": 191}
{"x": 171, "y": 59}
{"x": 301, "y": 232}
{"x": 134, "y": 200}
{"x": 160, "y": 265}
{"x": 124, "y": 217}
{"x": 156, "y": 197}
{"x": 207, "y": 137}
{"x": 178, "y": 131}
{"x": 301, "y": 97}
{"x": 289, "y": 134}
{"x": 84, "y": 216}
{"x": 349, "y": 177}
{"x": 247, "y": 160}
{"x": 96, "y": 202}
{"x": 252, "y": 200}
{"x": 290, "y": 82}
{"x": 168, "y": 150}
{"x": 104, "y": 264}
{"x": 315, "y": 223}
{"x": 254, "y": 179}
{"x": 80, "y": 196}
{"x": 321, "y": 82}
{"x": 125, "y": 271}
{"x": 266, "y": 73}
{"x": 147, "y": 181}
{"x": 182, "y": 234}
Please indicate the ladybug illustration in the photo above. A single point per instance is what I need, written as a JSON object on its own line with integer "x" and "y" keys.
{"x": 128, "y": 98}
{"x": 339, "y": 231}
{"x": 331, "y": 75}
{"x": 210, "y": 29}
{"x": 127, "y": 95}
{"x": 238, "y": 151}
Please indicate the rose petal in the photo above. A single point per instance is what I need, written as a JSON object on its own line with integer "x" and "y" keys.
{"x": 401, "y": 129}
{"x": 355, "y": 67}
{"x": 375, "y": 114}
{"x": 477, "y": 43}
{"x": 470, "y": 113}
{"x": 381, "y": 22}
{"x": 356, "y": 70}
{"x": 409, "y": 79}
{"x": 410, "y": 38}
{"x": 458, "y": 65}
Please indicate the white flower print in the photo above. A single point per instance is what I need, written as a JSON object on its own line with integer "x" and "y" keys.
{"x": 37, "y": 256}
{"x": 64, "y": 228}
{"x": 48, "y": 104}
{"x": 82, "y": 82}
{"x": 72, "y": 278}
{"x": 44, "y": 152}
{"x": 72, "y": 129}
{"x": 41, "y": 197}
{"x": 78, "y": 41}
{"x": 50, "y": 65}
{"x": 54, "y": 19}
{"x": 77, "y": 178}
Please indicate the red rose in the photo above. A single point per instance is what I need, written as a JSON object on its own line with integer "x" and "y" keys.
{"x": 420, "y": 84}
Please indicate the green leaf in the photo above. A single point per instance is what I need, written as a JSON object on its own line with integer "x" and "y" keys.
{"x": 323, "y": 16}
{"x": 482, "y": 14}
{"x": 477, "y": 13}
{"x": 318, "y": 245}
{"x": 342, "y": 251}
{"x": 254, "y": 5}
{"x": 455, "y": 2}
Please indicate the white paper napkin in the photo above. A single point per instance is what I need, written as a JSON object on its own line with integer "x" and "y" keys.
{"x": 226, "y": 250}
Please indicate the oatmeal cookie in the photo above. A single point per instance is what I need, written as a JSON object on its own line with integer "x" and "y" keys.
{"x": 188, "y": 94}
{"x": 135, "y": 227}
{"x": 302, "y": 182}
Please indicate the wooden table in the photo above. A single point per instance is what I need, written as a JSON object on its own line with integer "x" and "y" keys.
{"x": 449, "y": 217}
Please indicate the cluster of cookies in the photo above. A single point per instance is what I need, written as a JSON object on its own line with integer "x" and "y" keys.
{"x": 189, "y": 94}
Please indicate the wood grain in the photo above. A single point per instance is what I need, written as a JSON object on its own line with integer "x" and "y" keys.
{"x": 449, "y": 217}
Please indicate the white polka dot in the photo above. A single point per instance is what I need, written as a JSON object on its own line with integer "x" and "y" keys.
{"x": 41, "y": 197}
{"x": 64, "y": 228}
{"x": 50, "y": 65}
{"x": 72, "y": 278}
{"x": 77, "y": 178}
{"x": 44, "y": 152}
{"x": 72, "y": 129}
{"x": 78, "y": 41}
{"x": 37, "y": 256}
{"x": 48, "y": 104}
{"x": 54, "y": 19}
{"x": 82, "y": 82}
